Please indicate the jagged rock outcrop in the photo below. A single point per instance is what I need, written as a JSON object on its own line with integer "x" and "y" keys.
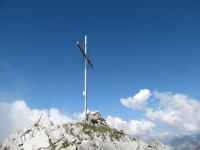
{"x": 96, "y": 119}
{"x": 94, "y": 134}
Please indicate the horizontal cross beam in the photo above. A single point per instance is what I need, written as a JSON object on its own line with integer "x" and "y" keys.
{"x": 84, "y": 54}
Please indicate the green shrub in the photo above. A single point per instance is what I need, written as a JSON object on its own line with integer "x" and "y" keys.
{"x": 50, "y": 142}
{"x": 53, "y": 148}
{"x": 79, "y": 143}
{"x": 65, "y": 144}
{"x": 133, "y": 139}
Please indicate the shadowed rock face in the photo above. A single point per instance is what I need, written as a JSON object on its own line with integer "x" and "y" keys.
{"x": 93, "y": 134}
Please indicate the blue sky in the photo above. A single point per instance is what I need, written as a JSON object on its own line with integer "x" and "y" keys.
{"x": 152, "y": 45}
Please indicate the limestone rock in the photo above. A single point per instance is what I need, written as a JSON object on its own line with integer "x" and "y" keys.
{"x": 95, "y": 118}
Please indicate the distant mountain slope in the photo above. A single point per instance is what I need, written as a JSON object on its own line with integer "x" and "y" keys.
{"x": 198, "y": 148}
{"x": 186, "y": 142}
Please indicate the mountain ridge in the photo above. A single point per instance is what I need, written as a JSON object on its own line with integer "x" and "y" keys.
{"x": 186, "y": 142}
{"x": 94, "y": 134}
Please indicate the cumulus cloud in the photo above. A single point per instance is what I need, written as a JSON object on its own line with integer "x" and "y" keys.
{"x": 57, "y": 118}
{"x": 179, "y": 112}
{"x": 136, "y": 128}
{"x": 167, "y": 116}
{"x": 139, "y": 101}
{"x": 17, "y": 115}
{"x": 80, "y": 116}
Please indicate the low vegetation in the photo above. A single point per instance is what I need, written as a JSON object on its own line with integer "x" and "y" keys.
{"x": 79, "y": 143}
{"x": 65, "y": 144}
{"x": 113, "y": 133}
{"x": 50, "y": 142}
{"x": 133, "y": 139}
{"x": 52, "y": 146}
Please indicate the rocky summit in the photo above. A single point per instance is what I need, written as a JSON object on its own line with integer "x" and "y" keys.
{"x": 93, "y": 134}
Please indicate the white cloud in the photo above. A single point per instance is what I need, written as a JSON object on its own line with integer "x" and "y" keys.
{"x": 17, "y": 115}
{"x": 143, "y": 129}
{"x": 179, "y": 112}
{"x": 191, "y": 127}
{"x": 139, "y": 101}
{"x": 57, "y": 118}
{"x": 167, "y": 115}
{"x": 80, "y": 116}
{"x": 134, "y": 127}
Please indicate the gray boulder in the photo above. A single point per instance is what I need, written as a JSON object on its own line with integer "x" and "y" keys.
{"x": 95, "y": 118}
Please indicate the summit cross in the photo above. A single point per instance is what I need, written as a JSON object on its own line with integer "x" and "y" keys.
{"x": 86, "y": 60}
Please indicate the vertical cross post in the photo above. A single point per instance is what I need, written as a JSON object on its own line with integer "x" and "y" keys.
{"x": 85, "y": 84}
{"x": 86, "y": 60}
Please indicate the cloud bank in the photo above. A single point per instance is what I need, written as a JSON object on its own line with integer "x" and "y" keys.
{"x": 17, "y": 115}
{"x": 139, "y": 101}
{"x": 80, "y": 116}
{"x": 137, "y": 128}
{"x": 179, "y": 113}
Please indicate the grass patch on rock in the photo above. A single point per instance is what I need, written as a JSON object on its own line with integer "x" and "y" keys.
{"x": 113, "y": 133}
{"x": 50, "y": 142}
{"x": 133, "y": 139}
{"x": 65, "y": 144}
